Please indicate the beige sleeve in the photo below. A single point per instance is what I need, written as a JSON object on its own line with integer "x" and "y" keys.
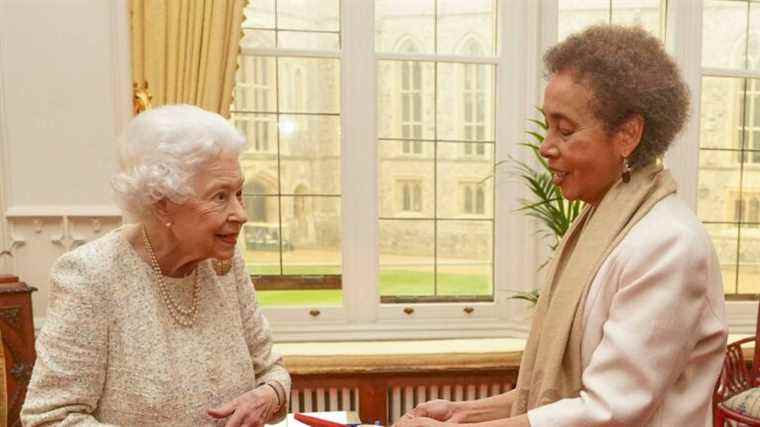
{"x": 267, "y": 364}
{"x": 68, "y": 376}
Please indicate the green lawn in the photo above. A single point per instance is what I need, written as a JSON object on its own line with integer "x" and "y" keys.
{"x": 392, "y": 282}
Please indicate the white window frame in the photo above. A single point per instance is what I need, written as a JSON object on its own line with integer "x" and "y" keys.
{"x": 362, "y": 316}
{"x": 684, "y": 42}
{"x": 526, "y": 29}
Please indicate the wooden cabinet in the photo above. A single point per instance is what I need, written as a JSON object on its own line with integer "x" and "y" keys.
{"x": 17, "y": 327}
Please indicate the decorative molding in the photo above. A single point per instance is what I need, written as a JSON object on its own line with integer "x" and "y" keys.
{"x": 67, "y": 239}
{"x": 66, "y": 235}
{"x": 12, "y": 241}
{"x": 57, "y": 211}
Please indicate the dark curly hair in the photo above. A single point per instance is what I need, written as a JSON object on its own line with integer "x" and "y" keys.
{"x": 628, "y": 72}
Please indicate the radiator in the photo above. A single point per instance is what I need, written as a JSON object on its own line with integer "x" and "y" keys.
{"x": 324, "y": 399}
{"x": 400, "y": 398}
{"x": 403, "y": 398}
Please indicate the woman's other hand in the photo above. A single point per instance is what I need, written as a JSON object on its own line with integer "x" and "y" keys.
{"x": 410, "y": 420}
{"x": 250, "y": 409}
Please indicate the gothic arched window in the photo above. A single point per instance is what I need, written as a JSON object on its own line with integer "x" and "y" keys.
{"x": 474, "y": 78}
{"x": 410, "y": 79}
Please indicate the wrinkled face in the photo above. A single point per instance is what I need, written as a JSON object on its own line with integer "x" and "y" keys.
{"x": 585, "y": 159}
{"x": 207, "y": 226}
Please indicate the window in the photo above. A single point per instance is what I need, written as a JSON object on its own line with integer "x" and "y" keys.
{"x": 411, "y": 195}
{"x": 255, "y": 93}
{"x": 729, "y": 174}
{"x": 474, "y": 199}
{"x": 410, "y": 101}
{"x": 474, "y": 91}
{"x": 444, "y": 53}
{"x": 575, "y": 15}
{"x": 287, "y": 102}
{"x": 751, "y": 126}
{"x": 371, "y": 136}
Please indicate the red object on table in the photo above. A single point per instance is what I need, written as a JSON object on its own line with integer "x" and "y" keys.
{"x": 317, "y": 422}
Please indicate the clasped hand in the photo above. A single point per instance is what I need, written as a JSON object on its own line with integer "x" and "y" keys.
{"x": 435, "y": 413}
{"x": 250, "y": 409}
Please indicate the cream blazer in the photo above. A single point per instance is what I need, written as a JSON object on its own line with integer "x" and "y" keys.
{"x": 655, "y": 330}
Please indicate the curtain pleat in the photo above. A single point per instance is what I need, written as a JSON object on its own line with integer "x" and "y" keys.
{"x": 187, "y": 50}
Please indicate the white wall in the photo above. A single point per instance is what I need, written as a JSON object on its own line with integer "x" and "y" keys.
{"x": 65, "y": 94}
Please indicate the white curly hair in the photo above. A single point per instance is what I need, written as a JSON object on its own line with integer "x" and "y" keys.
{"x": 163, "y": 149}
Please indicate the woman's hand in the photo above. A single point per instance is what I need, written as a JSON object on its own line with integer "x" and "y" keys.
{"x": 438, "y": 409}
{"x": 250, "y": 409}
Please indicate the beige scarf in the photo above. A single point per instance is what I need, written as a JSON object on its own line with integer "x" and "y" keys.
{"x": 551, "y": 364}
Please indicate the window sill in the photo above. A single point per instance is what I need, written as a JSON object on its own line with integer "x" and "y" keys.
{"x": 401, "y": 356}
{"x": 344, "y": 357}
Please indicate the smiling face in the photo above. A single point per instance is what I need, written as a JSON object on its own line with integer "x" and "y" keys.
{"x": 585, "y": 159}
{"x": 207, "y": 226}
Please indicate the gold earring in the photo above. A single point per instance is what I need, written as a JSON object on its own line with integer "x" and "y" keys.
{"x": 222, "y": 266}
{"x": 169, "y": 225}
{"x": 626, "y": 170}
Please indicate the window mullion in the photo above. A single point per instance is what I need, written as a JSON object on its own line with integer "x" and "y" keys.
{"x": 517, "y": 83}
{"x": 359, "y": 162}
{"x": 684, "y": 42}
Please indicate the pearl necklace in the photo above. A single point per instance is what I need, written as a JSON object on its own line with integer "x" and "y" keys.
{"x": 182, "y": 316}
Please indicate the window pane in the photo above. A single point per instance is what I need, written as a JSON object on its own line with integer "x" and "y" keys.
{"x": 313, "y": 298}
{"x": 753, "y": 45}
{"x": 464, "y": 258}
{"x": 466, "y": 112}
{"x": 302, "y": 40}
{"x": 401, "y": 23}
{"x": 719, "y": 185}
{"x": 254, "y": 84}
{"x": 721, "y": 48}
{"x": 460, "y": 22}
{"x": 260, "y": 14}
{"x": 311, "y": 235}
{"x": 310, "y": 154}
{"x": 261, "y": 132}
{"x": 575, "y": 15}
{"x": 309, "y": 85}
{"x": 643, "y": 13}
{"x": 261, "y": 235}
{"x": 749, "y": 260}
{"x": 399, "y": 175}
{"x": 721, "y": 112}
{"x": 457, "y": 171}
{"x": 406, "y": 104}
{"x": 261, "y": 39}
{"x": 725, "y": 237}
{"x": 314, "y": 15}
{"x": 406, "y": 258}
{"x": 750, "y": 185}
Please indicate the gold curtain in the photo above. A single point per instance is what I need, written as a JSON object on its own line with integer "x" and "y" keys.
{"x": 187, "y": 50}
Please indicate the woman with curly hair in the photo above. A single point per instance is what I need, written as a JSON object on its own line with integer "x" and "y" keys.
{"x": 630, "y": 327}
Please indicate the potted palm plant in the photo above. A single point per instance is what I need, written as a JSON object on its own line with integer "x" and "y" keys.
{"x": 546, "y": 204}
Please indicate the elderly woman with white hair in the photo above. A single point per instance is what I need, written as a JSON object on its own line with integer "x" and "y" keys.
{"x": 156, "y": 323}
